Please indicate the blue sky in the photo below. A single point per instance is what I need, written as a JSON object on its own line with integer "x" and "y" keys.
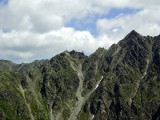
{"x": 40, "y": 29}
{"x": 3, "y": 2}
{"x": 88, "y": 23}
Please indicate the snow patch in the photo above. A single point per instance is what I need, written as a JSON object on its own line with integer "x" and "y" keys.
{"x": 92, "y": 117}
{"x": 99, "y": 82}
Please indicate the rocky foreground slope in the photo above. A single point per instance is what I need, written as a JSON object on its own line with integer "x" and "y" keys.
{"x": 121, "y": 83}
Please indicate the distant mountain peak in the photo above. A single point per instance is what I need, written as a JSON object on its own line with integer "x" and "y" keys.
{"x": 133, "y": 33}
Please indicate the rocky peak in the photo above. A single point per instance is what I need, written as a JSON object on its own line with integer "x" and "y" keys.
{"x": 133, "y": 39}
{"x": 6, "y": 65}
{"x": 78, "y": 55}
{"x": 133, "y": 33}
{"x": 133, "y": 36}
{"x": 98, "y": 53}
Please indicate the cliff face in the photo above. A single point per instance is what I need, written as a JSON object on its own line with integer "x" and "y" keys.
{"x": 120, "y": 83}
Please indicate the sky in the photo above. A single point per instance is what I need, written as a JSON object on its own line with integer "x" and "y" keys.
{"x": 39, "y": 29}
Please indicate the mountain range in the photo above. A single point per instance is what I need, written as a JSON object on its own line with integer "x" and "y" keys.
{"x": 119, "y": 83}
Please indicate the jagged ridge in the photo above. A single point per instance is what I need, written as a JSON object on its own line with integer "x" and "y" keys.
{"x": 116, "y": 84}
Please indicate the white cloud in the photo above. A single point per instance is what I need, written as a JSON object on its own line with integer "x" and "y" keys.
{"x": 125, "y": 3}
{"x": 145, "y": 22}
{"x": 27, "y": 46}
{"x": 38, "y": 26}
{"x": 43, "y": 15}
{"x": 48, "y": 15}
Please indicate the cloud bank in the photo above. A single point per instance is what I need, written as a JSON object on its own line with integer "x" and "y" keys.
{"x": 37, "y": 29}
